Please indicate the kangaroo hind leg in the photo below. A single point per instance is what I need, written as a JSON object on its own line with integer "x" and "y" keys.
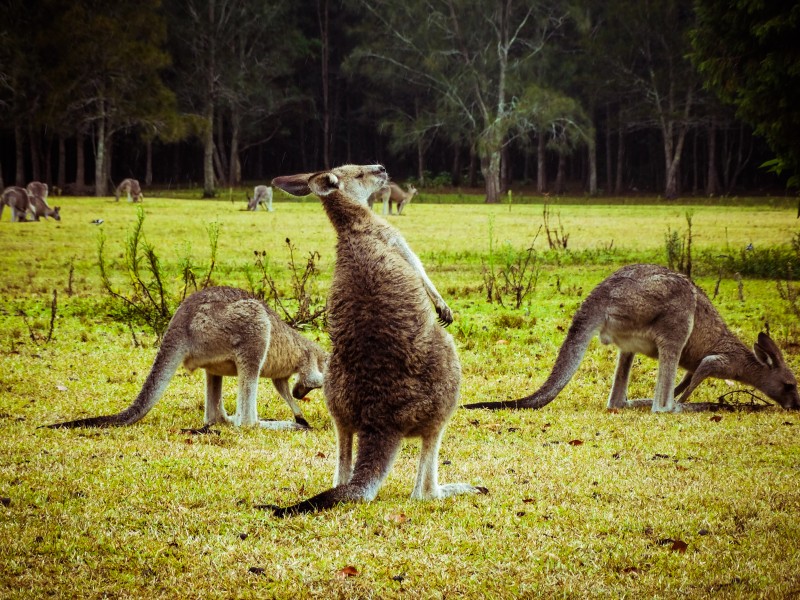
{"x": 215, "y": 410}
{"x": 427, "y": 485}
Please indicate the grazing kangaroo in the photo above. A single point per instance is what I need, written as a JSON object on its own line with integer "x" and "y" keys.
{"x": 130, "y": 187}
{"x": 37, "y": 188}
{"x": 227, "y": 332}
{"x": 662, "y": 314}
{"x": 18, "y": 200}
{"x": 392, "y": 193}
{"x": 393, "y": 371}
{"x": 262, "y": 194}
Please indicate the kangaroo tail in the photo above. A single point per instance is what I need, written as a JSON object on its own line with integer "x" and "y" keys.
{"x": 376, "y": 453}
{"x": 570, "y": 354}
{"x": 167, "y": 361}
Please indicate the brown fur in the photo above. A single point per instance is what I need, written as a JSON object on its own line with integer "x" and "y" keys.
{"x": 18, "y": 200}
{"x": 38, "y": 207}
{"x": 391, "y": 193}
{"x": 651, "y": 310}
{"x": 131, "y": 188}
{"x": 393, "y": 371}
{"x": 229, "y": 333}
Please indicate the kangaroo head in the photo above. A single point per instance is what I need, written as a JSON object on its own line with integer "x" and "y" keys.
{"x": 56, "y": 215}
{"x": 355, "y": 182}
{"x": 778, "y": 382}
{"x": 311, "y": 374}
{"x": 412, "y": 190}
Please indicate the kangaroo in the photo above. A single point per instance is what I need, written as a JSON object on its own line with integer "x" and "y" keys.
{"x": 262, "y": 194}
{"x": 131, "y": 188}
{"x": 40, "y": 208}
{"x": 662, "y": 314}
{"x": 393, "y": 371}
{"x": 37, "y": 188}
{"x": 18, "y": 200}
{"x": 392, "y": 193}
{"x": 227, "y": 332}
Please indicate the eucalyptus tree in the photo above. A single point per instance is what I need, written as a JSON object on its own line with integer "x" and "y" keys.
{"x": 233, "y": 61}
{"x": 107, "y": 61}
{"x": 644, "y": 48}
{"x": 473, "y": 58}
{"x": 748, "y": 53}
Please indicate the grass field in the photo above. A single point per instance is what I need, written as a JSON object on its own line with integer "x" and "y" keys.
{"x": 581, "y": 503}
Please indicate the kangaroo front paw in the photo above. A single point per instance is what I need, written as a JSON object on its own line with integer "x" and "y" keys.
{"x": 445, "y": 315}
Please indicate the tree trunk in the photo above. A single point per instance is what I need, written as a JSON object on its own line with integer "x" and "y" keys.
{"x": 108, "y": 162}
{"x": 61, "y": 178}
{"x": 473, "y": 167}
{"x": 323, "y": 19}
{"x": 560, "y": 174}
{"x": 490, "y": 167}
{"x": 712, "y": 180}
{"x": 455, "y": 171}
{"x": 2, "y": 183}
{"x": 609, "y": 151}
{"x": 591, "y": 155}
{"x": 36, "y": 164}
{"x": 80, "y": 163}
{"x": 505, "y": 170}
{"x": 19, "y": 178}
{"x": 208, "y": 139}
{"x": 421, "y": 162}
{"x": 100, "y": 156}
{"x": 148, "y": 163}
{"x": 619, "y": 184}
{"x": 541, "y": 174}
{"x": 235, "y": 172}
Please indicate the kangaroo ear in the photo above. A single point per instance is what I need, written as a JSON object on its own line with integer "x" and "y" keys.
{"x": 323, "y": 184}
{"x": 296, "y": 185}
{"x": 767, "y": 351}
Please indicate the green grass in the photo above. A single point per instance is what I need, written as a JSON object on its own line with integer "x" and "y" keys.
{"x": 150, "y": 511}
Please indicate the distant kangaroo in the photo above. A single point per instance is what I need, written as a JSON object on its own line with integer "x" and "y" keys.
{"x": 227, "y": 332}
{"x": 392, "y": 193}
{"x": 37, "y": 188}
{"x": 662, "y": 314}
{"x": 18, "y": 200}
{"x": 262, "y": 194}
{"x": 393, "y": 371}
{"x": 131, "y": 188}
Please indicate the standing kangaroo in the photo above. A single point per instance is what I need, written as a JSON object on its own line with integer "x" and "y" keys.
{"x": 131, "y": 188}
{"x": 392, "y": 193}
{"x": 227, "y": 332}
{"x": 662, "y": 314}
{"x": 262, "y": 194}
{"x": 18, "y": 200}
{"x": 393, "y": 371}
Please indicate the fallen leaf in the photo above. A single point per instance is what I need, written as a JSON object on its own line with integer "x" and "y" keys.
{"x": 730, "y": 383}
{"x": 679, "y": 546}
{"x": 575, "y": 442}
{"x": 348, "y": 571}
{"x": 627, "y": 570}
{"x": 256, "y": 570}
{"x": 61, "y": 388}
{"x": 681, "y": 468}
{"x": 528, "y": 500}
{"x": 399, "y": 577}
{"x": 5, "y": 501}
{"x": 501, "y": 342}
{"x": 789, "y": 423}
{"x": 521, "y": 513}
{"x": 716, "y": 418}
{"x": 657, "y": 455}
{"x": 397, "y": 518}
{"x": 320, "y": 455}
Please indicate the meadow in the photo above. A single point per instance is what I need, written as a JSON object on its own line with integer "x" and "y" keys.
{"x": 582, "y": 502}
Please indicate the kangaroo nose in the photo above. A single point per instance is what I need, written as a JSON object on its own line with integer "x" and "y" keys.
{"x": 381, "y": 169}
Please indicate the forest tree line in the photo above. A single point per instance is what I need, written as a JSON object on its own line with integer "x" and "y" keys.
{"x": 672, "y": 97}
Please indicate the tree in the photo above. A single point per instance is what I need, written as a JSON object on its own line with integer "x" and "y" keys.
{"x": 748, "y": 52}
{"x": 472, "y": 58}
{"x": 107, "y": 74}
